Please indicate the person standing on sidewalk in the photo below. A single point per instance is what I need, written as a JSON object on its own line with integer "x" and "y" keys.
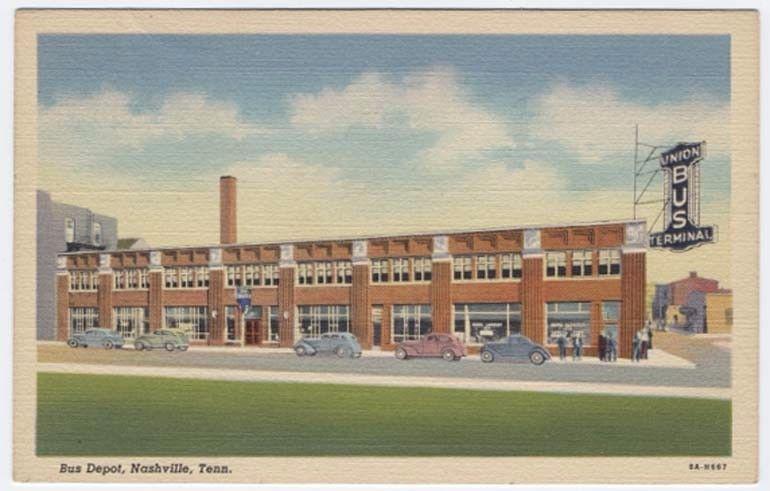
{"x": 645, "y": 344}
{"x": 636, "y": 346}
{"x": 561, "y": 341}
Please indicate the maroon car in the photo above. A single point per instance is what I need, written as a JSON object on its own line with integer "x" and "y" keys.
{"x": 433, "y": 345}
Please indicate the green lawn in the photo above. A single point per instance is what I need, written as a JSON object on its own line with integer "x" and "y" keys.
{"x": 116, "y": 415}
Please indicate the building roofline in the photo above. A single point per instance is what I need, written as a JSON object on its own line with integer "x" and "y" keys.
{"x": 373, "y": 237}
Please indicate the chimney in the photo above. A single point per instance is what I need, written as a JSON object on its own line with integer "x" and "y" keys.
{"x": 693, "y": 274}
{"x": 228, "y": 221}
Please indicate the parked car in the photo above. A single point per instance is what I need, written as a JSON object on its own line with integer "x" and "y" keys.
{"x": 515, "y": 348}
{"x": 434, "y": 345}
{"x": 342, "y": 344}
{"x": 165, "y": 338}
{"x": 97, "y": 337}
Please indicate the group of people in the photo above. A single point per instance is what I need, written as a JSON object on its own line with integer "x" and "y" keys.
{"x": 608, "y": 347}
{"x": 642, "y": 342}
{"x": 575, "y": 338}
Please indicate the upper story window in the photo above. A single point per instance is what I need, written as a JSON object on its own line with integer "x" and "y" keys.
{"x": 130, "y": 279}
{"x": 582, "y": 263}
{"x": 486, "y": 267}
{"x": 171, "y": 278}
{"x": 462, "y": 268}
{"x": 423, "y": 269}
{"x": 84, "y": 280}
{"x": 609, "y": 262}
{"x": 305, "y": 274}
{"x": 270, "y": 274}
{"x": 250, "y": 275}
{"x": 401, "y": 269}
{"x": 380, "y": 270}
{"x": 323, "y": 273}
{"x": 344, "y": 270}
{"x": 202, "y": 277}
{"x": 97, "y": 233}
{"x": 556, "y": 264}
{"x": 510, "y": 265}
{"x": 69, "y": 230}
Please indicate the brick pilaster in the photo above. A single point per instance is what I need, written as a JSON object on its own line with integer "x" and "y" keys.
{"x": 104, "y": 298}
{"x": 532, "y": 302}
{"x": 360, "y": 310}
{"x": 62, "y": 305}
{"x": 440, "y": 295}
{"x": 286, "y": 305}
{"x": 155, "y": 293}
{"x": 216, "y": 304}
{"x": 632, "y": 286}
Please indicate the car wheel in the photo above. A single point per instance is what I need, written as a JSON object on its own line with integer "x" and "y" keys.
{"x": 487, "y": 357}
{"x": 401, "y": 354}
{"x": 108, "y": 345}
{"x": 139, "y": 346}
{"x": 73, "y": 343}
{"x": 536, "y": 358}
{"x": 300, "y": 350}
{"x": 341, "y": 352}
{"x": 169, "y": 346}
{"x": 448, "y": 355}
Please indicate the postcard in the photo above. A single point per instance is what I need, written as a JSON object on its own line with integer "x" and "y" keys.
{"x": 386, "y": 246}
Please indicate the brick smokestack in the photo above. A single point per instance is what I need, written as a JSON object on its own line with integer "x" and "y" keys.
{"x": 228, "y": 221}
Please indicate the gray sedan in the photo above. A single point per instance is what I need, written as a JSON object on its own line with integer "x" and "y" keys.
{"x": 515, "y": 348}
{"x": 97, "y": 337}
{"x": 342, "y": 344}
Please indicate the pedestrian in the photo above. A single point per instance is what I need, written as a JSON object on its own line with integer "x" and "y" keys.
{"x": 602, "y": 347}
{"x": 561, "y": 341}
{"x": 649, "y": 335}
{"x": 636, "y": 346}
{"x": 577, "y": 345}
{"x": 645, "y": 343}
{"x": 612, "y": 349}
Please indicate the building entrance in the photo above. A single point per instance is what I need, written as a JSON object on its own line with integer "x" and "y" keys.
{"x": 253, "y": 331}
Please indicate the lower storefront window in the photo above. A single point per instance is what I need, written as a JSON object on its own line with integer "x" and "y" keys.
{"x": 314, "y": 320}
{"x": 274, "y": 324}
{"x": 477, "y": 323}
{"x": 193, "y": 321}
{"x": 82, "y": 318}
{"x": 130, "y": 322}
{"x": 411, "y": 322}
{"x": 231, "y": 311}
{"x": 568, "y": 319}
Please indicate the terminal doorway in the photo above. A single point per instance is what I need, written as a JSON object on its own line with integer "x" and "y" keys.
{"x": 376, "y": 326}
{"x": 253, "y": 331}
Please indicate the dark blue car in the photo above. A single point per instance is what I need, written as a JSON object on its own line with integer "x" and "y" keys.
{"x": 515, "y": 348}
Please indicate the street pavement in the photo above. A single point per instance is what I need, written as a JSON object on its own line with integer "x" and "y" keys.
{"x": 711, "y": 360}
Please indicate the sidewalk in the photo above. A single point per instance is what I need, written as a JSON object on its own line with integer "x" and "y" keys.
{"x": 657, "y": 357}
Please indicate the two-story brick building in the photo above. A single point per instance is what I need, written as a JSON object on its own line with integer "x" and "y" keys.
{"x": 479, "y": 284}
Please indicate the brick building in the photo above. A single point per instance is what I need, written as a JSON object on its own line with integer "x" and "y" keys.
{"x": 479, "y": 284}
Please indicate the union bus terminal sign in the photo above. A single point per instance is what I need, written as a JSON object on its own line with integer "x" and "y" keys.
{"x": 682, "y": 230}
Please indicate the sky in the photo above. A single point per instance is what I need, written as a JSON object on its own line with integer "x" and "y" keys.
{"x": 340, "y": 135}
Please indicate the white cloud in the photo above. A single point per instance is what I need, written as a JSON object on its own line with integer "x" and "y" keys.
{"x": 90, "y": 129}
{"x": 433, "y": 102}
{"x": 597, "y": 124}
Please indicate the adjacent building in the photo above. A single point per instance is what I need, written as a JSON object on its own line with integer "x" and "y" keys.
{"x": 62, "y": 228}
{"x": 479, "y": 284}
{"x": 694, "y": 304}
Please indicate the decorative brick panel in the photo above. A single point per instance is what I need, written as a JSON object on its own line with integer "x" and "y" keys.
{"x": 104, "y": 298}
{"x": 633, "y": 284}
{"x": 155, "y": 283}
{"x": 62, "y": 307}
{"x": 216, "y": 303}
{"x": 440, "y": 296}
{"x": 360, "y": 309}
{"x": 286, "y": 306}
{"x": 532, "y": 303}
